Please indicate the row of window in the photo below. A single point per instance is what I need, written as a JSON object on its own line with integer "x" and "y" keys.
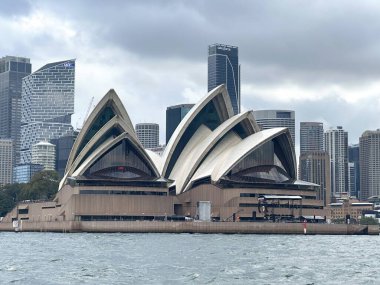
{"x": 119, "y": 192}
{"x": 287, "y": 206}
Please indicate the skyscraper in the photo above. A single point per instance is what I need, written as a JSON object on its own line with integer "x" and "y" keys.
{"x": 63, "y": 146}
{"x": 47, "y": 105}
{"x": 6, "y": 161}
{"x": 311, "y": 136}
{"x": 370, "y": 164}
{"x": 174, "y": 115}
{"x": 224, "y": 68}
{"x": 12, "y": 70}
{"x": 353, "y": 157}
{"x": 315, "y": 168}
{"x": 336, "y": 144}
{"x": 268, "y": 119}
{"x": 148, "y": 134}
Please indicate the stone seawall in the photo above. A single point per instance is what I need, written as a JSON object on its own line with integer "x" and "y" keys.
{"x": 193, "y": 227}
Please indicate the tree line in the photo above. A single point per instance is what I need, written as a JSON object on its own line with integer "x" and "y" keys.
{"x": 43, "y": 186}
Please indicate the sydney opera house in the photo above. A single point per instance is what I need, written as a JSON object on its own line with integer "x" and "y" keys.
{"x": 215, "y": 156}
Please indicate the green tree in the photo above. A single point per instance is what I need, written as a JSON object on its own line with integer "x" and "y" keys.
{"x": 43, "y": 186}
{"x": 9, "y": 196}
{"x": 368, "y": 221}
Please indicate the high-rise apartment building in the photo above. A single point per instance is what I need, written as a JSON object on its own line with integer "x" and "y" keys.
{"x": 268, "y": 119}
{"x": 311, "y": 136}
{"x": 148, "y": 134}
{"x": 174, "y": 115}
{"x": 12, "y": 70}
{"x": 6, "y": 161}
{"x": 47, "y": 105}
{"x": 44, "y": 153}
{"x": 336, "y": 144}
{"x": 224, "y": 68}
{"x": 369, "y": 164}
{"x": 315, "y": 168}
{"x": 354, "y": 157}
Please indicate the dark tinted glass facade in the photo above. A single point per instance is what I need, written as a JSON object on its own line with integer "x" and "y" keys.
{"x": 224, "y": 68}
{"x": 174, "y": 116}
{"x": 353, "y": 156}
{"x": 63, "y": 146}
{"x": 23, "y": 173}
{"x": 12, "y": 70}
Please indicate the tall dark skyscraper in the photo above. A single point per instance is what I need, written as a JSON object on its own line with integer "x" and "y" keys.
{"x": 353, "y": 157}
{"x": 12, "y": 70}
{"x": 224, "y": 68}
{"x": 174, "y": 115}
{"x": 63, "y": 146}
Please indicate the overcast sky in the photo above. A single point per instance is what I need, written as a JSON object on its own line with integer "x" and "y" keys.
{"x": 319, "y": 58}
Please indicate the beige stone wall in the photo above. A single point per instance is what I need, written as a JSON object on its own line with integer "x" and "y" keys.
{"x": 226, "y": 201}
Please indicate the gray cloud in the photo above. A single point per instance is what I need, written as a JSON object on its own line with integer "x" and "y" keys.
{"x": 311, "y": 43}
{"x": 10, "y": 8}
{"x": 160, "y": 47}
{"x": 332, "y": 111}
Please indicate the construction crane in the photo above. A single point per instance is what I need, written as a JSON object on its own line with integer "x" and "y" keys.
{"x": 87, "y": 113}
{"x": 88, "y": 110}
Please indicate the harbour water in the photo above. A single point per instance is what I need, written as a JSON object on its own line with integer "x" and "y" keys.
{"x": 83, "y": 258}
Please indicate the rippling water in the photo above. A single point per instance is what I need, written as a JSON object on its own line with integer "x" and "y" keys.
{"x": 52, "y": 258}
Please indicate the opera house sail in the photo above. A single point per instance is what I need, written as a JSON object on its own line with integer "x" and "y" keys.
{"x": 213, "y": 155}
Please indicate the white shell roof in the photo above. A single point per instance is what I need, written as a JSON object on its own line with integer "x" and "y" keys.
{"x": 110, "y": 98}
{"x": 184, "y": 124}
{"x": 208, "y": 153}
{"x": 202, "y": 147}
{"x": 106, "y": 146}
{"x": 244, "y": 148}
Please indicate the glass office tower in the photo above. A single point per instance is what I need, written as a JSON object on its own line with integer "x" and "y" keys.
{"x": 224, "y": 68}
{"x": 47, "y": 105}
{"x": 63, "y": 146}
{"x": 174, "y": 115}
{"x": 12, "y": 70}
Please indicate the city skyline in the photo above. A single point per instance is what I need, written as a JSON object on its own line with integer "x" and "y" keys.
{"x": 297, "y": 74}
